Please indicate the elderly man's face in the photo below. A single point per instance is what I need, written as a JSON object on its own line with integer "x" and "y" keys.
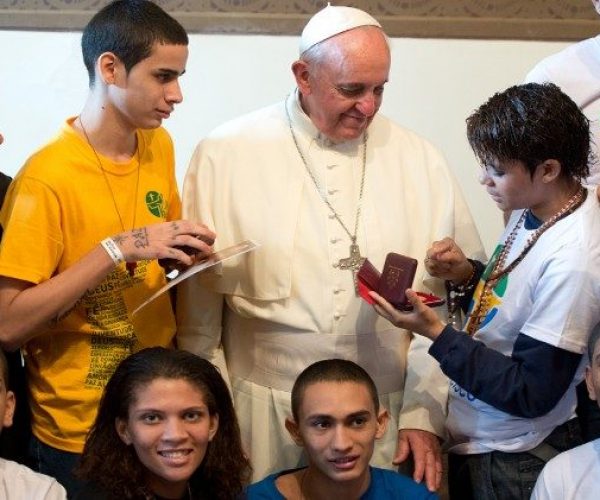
{"x": 344, "y": 89}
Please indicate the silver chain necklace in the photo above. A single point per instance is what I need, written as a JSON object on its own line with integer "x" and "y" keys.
{"x": 354, "y": 260}
{"x": 130, "y": 266}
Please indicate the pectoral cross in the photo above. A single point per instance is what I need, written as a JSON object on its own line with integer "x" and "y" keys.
{"x": 353, "y": 263}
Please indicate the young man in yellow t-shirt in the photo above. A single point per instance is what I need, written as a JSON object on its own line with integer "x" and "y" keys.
{"x": 84, "y": 222}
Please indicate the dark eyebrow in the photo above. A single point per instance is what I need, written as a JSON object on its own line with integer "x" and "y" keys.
{"x": 318, "y": 415}
{"x": 169, "y": 71}
{"x": 146, "y": 410}
{"x": 361, "y": 413}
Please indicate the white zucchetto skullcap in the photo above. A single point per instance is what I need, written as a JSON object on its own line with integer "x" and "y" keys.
{"x": 331, "y": 21}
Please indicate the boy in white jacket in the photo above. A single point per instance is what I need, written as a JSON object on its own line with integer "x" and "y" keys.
{"x": 16, "y": 480}
{"x": 575, "y": 474}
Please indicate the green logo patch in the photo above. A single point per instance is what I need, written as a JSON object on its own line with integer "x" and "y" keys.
{"x": 156, "y": 204}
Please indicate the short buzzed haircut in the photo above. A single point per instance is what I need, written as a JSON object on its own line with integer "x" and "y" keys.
{"x": 331, "y": 370}
{"x": 129, "y": 29}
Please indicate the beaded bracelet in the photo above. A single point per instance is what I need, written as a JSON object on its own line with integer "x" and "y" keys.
{"x": 113, "y": 250}
{"x": 454, "y": 294}
{"x": 467, "y": 285}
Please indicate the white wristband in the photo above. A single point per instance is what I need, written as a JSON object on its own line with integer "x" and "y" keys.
{"x": 113, "y": 250}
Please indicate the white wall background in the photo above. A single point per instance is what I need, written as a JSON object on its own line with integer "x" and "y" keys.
{"x": 434, "y": 85}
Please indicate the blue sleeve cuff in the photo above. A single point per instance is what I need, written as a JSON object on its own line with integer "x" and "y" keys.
{"x": 446, "y": 340}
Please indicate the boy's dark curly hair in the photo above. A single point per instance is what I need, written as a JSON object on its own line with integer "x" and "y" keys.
{"x": 532, "y": 123}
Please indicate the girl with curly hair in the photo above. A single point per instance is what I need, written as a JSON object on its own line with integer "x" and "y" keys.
{"x": 165, "y": 429}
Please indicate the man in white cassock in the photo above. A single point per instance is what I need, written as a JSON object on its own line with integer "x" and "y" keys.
{"x": 321, "y": 181}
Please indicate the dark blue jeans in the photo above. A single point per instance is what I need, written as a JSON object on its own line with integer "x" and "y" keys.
{"x": 504, "y": 476}
{"x": 56, "y": 463}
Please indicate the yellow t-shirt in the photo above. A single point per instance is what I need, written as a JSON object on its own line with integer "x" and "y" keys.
{"x": 58, "y": 208}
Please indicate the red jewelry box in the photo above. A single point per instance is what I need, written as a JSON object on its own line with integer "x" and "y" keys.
{"x": 398, "y": 275}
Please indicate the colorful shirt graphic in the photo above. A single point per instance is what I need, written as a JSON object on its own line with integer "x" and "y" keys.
{"x": 495, "y": 298}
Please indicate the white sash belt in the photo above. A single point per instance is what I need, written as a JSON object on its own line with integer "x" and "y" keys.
{"x": 274, "y": 359}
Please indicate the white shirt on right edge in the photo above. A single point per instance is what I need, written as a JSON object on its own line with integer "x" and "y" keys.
{"x": 572, "y": 475}
{"x": 18, "y": 482}
{"x": 576, "y": 70}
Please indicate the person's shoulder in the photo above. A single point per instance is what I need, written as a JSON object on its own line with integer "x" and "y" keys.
{"x": 582, "y": 228}
{"x": 251, "y": 123}
{"x": 392, "y": 140}
{"x": 383, "y": 126}
{"x": 266, "y": 489}
{"x": 584, "y": 453}
{"x": 249, "y": 133}
{"x": 393, "y": 485}
{"x": 552, "y": 67}
{"x": 21, "y": 480}
{"x": 589, "y": 45}
{"x": 570, "y": 473}
{"x": 50, "y": 157}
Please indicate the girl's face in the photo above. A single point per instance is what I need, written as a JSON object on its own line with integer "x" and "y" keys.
{"x": 169, "y": 427}
{"x": 510, "y": 184}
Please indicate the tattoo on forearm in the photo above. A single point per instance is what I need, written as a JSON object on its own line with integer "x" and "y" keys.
{"x": 120, "y": 238}
{"x": 140, "y": 237}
